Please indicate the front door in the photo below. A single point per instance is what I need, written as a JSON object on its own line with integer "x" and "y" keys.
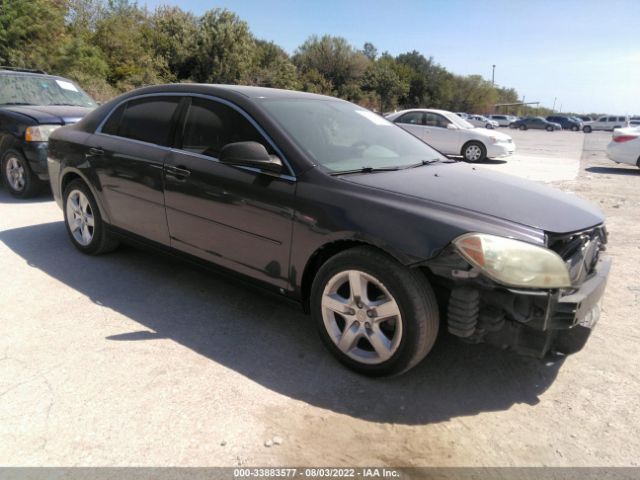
{"x": 236, "y": 217}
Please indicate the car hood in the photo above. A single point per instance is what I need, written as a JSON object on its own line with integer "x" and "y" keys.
{"x": 484, "y": 133}
{"x": 487, "y": 192}
{"x": 51, "y": 114}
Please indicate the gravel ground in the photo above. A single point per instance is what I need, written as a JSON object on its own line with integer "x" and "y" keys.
{"x": 135, "y": 359}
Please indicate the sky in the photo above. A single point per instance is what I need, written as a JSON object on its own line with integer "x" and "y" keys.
{"x": 584, "y": 56}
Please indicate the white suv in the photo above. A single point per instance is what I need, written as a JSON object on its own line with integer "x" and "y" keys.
{"x": 606, "y": 123}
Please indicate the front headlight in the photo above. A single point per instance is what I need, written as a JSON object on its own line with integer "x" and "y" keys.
{"x": 513, "y": 263}
{"x": 39, "y": 133}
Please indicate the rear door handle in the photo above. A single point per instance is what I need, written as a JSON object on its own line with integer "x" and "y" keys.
{"x": 177, "y": 171}
{"x": 94, "y": 152}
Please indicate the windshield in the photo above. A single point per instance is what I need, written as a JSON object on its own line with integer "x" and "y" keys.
{"x": 36, "y": 90}
{"x": 341, "y": 136}
{"x": 456, "y": 120}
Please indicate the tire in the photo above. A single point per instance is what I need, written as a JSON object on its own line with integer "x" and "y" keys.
{"x": 80, "y": 210}
{"x": 587, "y": 129}
{"x": 512, "y": 126}
{"x": 549, "y": 128}
{"x": 474, "y": 152}
{"x": 523, "y": 127}
{"x": 575, "y": 128}
{"x": 412, "y": 317}
{"x": 488, "y": 126}
{"x": 18, "y": 177}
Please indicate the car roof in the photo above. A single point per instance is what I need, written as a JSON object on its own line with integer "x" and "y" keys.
{"x": 243, "y": 90}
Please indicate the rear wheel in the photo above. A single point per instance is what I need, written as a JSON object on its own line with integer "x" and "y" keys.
{"x": 474, "y": 152}
{"x": 523, "y": 127}
{"x": 488, "y": 126}
{"x": 549, "y": 128}
{"x": 18, "y": 177}
{"x": 84, "y": 223}
{"x": 575, "y": 128}
{"x": 587, "y": 129}
{"x": 376, "y": 316}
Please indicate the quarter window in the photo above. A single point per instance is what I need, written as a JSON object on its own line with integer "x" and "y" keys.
{"x": 144, "y": 119}
{"x": 210, "y": 125}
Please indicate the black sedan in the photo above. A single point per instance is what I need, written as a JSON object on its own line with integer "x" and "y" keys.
{"x": 377, "y": 235}
{"x": 538, "y": 123}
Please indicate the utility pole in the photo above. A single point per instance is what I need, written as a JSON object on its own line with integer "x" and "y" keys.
{"x": 493, "y": 75}
{"x": 553, "y": 109}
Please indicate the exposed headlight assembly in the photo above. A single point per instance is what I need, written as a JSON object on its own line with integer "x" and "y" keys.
{"x": 39, "y": 133}
{"x": 513, "y": 263}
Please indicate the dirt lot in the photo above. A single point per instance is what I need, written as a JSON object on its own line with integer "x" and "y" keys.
{"x": 134, "y": 359}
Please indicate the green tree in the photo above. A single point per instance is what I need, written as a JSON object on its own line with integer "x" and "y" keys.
{"x": 174, "y": 33}
{"x": 385, "y": 82}
{"x": 27, "y": 32}
{"x": 272, "y": 67}
{"x": 334, "y": 58}
{"x": 224, "y": 48}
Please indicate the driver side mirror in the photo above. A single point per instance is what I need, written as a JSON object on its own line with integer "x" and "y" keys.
{"x": 250, "y": 154}
{"x": 451, "y": 126}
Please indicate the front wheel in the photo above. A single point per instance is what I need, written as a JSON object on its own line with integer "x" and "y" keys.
{"x": 376, "y": 316}
{"x": 474, "y": 152}
{"x": 549, "y": 128}
{"x": 587, "y": 129}
{"x": 18, "y": 177}
{"x": 488, "y": 126}
{"x": 84, "y": 223}
{"x": 575, "y": 128}
{"x": 523, "y": 127}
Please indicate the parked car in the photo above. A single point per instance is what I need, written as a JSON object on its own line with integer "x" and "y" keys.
{"x": 634, "y": 122}
{"x": 566, "y": 122}
{"x": 463, "y": 115}
{"x": 625, "y": 146}
{"x": 585, "y": 118}
{"x": 538, "y": 123}
{"x": 606, "y": 123}
{"x": 331, "y": 205}
{"x": 482, "y": 121}
{"x": 452, "y": 135}
{"x": 32, "y": 106}
{"x": 503, "y": 120}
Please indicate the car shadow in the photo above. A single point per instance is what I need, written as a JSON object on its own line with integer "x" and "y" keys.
{"x": 272, "y": 342}
{"x": 626, "y": 170}
{"x": 43, "y": 196}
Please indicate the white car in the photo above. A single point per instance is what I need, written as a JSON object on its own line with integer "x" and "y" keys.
{"x": 503, "y": 120}
{"x": 606, "y": 123}
{"x": 451, "y": 135}
{"x": 625, "y": 146}
{"x": 482, "y": 121}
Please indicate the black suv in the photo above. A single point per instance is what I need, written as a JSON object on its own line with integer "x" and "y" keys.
{"x": 568, "y": 123}
{"x": 32, "y": 105}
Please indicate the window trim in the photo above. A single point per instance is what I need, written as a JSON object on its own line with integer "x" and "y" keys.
{"x": 182, "y": 117}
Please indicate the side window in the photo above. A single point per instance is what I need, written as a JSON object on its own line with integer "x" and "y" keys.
{"x": 148, "y": 119}
{"x": 602, "y": 119}
{"x": 211, "y": 125}
{"x": 435, "y": 120}
{"x": 411, "y": 118}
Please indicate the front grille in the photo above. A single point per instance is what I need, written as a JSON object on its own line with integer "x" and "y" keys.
{"x": 580, "y": 251}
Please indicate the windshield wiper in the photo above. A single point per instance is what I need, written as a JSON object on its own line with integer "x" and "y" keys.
{"x": 65, "y": 104}
{"x": 429, "y": 162}
{"x": 366, "y": 170}
{"x": 18, "y": 103}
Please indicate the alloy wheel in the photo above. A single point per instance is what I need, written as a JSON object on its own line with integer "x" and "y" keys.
{"x": 361, "y": 317}
{"x": 80, "y": 217}
{"x": 15, "y": 174}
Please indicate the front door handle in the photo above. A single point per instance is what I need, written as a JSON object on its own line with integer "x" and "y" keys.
{"x": 94, "y": 152}
{"x": 177, "y": 171}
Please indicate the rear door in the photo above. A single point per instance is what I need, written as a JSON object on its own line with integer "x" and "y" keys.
{"x": 237, "y": 217}
{"x": 127, "y": 154}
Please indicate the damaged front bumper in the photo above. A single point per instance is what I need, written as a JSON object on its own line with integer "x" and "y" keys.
{"x": 530, "y": 322}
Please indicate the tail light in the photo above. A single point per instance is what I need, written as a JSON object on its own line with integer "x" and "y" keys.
{"x": 624, "y": 138}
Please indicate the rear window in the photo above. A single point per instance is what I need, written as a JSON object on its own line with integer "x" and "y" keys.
{"x": 146, "y": 119}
